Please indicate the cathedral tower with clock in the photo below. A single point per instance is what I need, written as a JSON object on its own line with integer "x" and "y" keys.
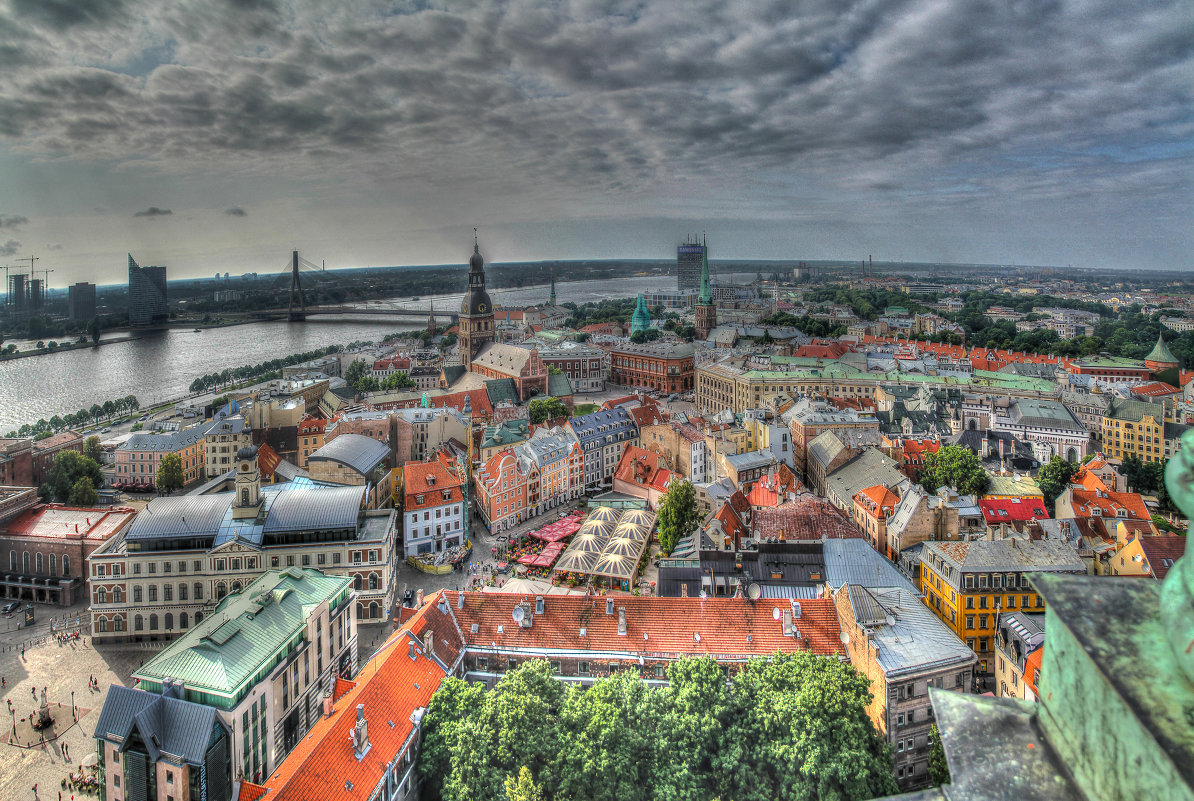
{"x": 476, "y": 310}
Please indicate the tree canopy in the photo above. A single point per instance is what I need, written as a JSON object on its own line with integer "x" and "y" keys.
{"x": 82, "y": 492}
{"x": 954, "y": 466}
{"x": 678, "y": 514}
{"x": 1054, "y": 476}
{"x": 68, "y": 468}
{"x": 170, "y": 475}
{"x": 544, "y": 409}
{"x": 91, "y": 448}
{"x": 791, "y": 727}
{"x": 398, "y": 381}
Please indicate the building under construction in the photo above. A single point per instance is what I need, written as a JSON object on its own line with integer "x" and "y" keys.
{"x": 24, "y": 295}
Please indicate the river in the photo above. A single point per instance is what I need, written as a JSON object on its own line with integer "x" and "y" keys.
{"x": 162, "y": 365}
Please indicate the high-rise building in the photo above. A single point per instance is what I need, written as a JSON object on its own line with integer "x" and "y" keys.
{"x": 37, "y": 294}
{"x": 689, "y": 258}
{"x": 476, "y": 311}
{"x": 80, "y": 301}
{"x": 147, "y": 294}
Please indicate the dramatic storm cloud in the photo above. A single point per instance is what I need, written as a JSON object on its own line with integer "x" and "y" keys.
{"x": 381, "y": 132}
{"x": 153, "y": 211}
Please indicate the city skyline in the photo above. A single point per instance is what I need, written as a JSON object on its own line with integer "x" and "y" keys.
{"x": 378, "y": 135}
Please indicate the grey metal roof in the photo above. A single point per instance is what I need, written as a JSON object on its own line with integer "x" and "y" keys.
{"x": 910, "y": 638}
{"x": 166, "y": 724}
{"x": 356, "y": 451}
{"x": 181, "y": 516}
{"x": 855, "y": 562}
{"x": 1038, "y": 413}
{"x": 165, "y": 443}
{"x": 869, "y": 468}
{"x": 312, "y": 507}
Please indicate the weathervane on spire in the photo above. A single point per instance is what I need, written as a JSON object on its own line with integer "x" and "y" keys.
{"x": 476, "y": 246}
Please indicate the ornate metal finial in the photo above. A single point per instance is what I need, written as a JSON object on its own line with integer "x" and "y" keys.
{"x": 1177, "y": 591}
{"x": 476, "y": 245}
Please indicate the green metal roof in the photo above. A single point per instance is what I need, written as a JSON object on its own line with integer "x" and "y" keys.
{"x": 1160, "y": 353}
{"x": 244, "y": 637}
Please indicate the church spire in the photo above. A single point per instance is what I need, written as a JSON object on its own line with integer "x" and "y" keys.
{"x": 552, "y": 299}
{"x": 705, "y": 297}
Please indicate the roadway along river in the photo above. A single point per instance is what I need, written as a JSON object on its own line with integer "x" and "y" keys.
{"x": 163, "y": 365}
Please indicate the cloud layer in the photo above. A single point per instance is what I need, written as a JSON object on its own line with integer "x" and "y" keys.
{"x": 890, "y": 111}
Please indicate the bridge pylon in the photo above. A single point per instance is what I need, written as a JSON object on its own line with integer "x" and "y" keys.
{"x": 296, "y": 286}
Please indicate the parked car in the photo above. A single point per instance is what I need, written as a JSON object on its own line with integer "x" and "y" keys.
{"x": 11, "y": 607}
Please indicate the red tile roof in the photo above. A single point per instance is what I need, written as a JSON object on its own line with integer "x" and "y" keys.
{"x": 807, "y": 518}
{"x": 878, "y": 501}
{"x": 730, "y": 629}
{"x": 341, "y": 687}
{"x": 1155, "y": 389}
{"x": 323, "y": 765}
{"x": 267, "y": 460}
{"x": 1012, "y": 510}
{"x": 58, "y": 522}
{"x": 251, "y": 792}
{"x": 1162, "y": 551}
{"x": 417, "y": 480}
{"x": 1032, "y": 669}
{"x": 640, "y": 466}
{"x": 731, "y": 524}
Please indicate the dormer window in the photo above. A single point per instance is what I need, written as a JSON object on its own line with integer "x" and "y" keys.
{"x": 419, "y": 499}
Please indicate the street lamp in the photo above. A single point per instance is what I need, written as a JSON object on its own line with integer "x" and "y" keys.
{"x": 72, "y": 706}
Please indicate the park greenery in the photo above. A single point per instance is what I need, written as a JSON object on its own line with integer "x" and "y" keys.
{"x": 261, "y": 370}
{"x": 678, "y": 514}
{"x": 954, "y": 466}
{"x": 544, "y": 409}
{"x": 64, "y": 482}
{"x": 603, "y": 311}
{"x": 790, "y": 727}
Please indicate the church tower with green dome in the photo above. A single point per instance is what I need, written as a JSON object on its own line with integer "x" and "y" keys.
{"x": 641, "y": 320}
{"x": 706, "y": 312}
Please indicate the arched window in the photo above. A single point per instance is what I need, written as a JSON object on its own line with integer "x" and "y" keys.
{"x": 53, "y": 564}
{"x": 65, "y": 565}
{"x": 101, "y": 624}
{"x": 118, "y": 624}
{"x": 244, "y": 496}
{"x": 236, "y": 586}
{"x": 153, "y": 622}
{"x": 101, "y": 596}
{"x": 221, "y": 590}
{"x": 169, "y": 622}
{"x": 12, "y": 561}
{"x": 182, "y": 620}
{"x": 37, "y": 560}
{"x": 198, "y": 618}
{"x": 138, "y": 623}
{"x": 373, "y": 581}
{"x": 373, "y": 609}
{"x": 356, "y": 581}
{"x": 198, "y": 591}
{"x": 116, "y": 595}
{"x": 360, "y": 610}
{"x": 25, "y": 562}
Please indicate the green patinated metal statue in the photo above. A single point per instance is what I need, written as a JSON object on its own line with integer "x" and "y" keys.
{"x": 1177, "y": 592}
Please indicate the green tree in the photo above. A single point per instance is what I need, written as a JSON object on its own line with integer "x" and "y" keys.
{"x": 68, "y": 468}
{"x": 398, "y": 381}
{"x": 523, "y": 788}
{"x": 93, "y": 328}
{"x": 640, "y": 337}
{"x": 170, "y": 475}
{"x": 82, "y": 493}
{"x": 938, "y": 768}
{"x": 544, "y": 409}
{"x": 678, "y": 514}
{"x": 606, "y": 741}
{"x": 954, "y": 466}
{"x": 691, "y": 715}
{"x": 800, "y": 731}
{"x": 1053, "y": 478}
{"x": 355, "y": 371}
{"x": 452, "y": 705}
{"x": 91, "y": 448}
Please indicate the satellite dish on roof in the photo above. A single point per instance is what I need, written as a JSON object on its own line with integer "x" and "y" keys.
{"x": 776, "y": 614}
{"x": 891, "y": 621}
{"x": 845, "y": 638}
{"x": 753, "y": 591}
{"x": 518, "y": 614}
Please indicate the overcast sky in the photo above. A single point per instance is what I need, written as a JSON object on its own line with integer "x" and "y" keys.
{"x": 218, "y": 135}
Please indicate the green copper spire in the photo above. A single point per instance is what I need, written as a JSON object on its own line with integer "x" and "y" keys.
{"x": 552, "y": 300}
{"x": 1161, "y": 353}
{"x": 705, "y": 298}
{"x": 641, "y": 320}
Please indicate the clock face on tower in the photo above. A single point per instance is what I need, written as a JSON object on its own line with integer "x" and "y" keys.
{"x": 481, "y": 307}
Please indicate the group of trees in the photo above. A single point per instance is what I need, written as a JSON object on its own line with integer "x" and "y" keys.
{"x": 228, "y": 376}
{"x": 1053, "y": 478}
{"x": 98, "y": 412}
{"x": 678, "y": 514}
{"x": 544, "y": 409}
{"x": 813, "y": 326}
{"x": 954, "y": 466}
{"x": 74, "y": 479}
{"x": 866, "y": 303}
{"x": 791, "y": 726}
{"x": 604, "y": 311}
{"x": 649, "y": 335}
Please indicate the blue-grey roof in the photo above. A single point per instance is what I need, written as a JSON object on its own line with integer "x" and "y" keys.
{"x": 909, "y": 637}
{"x": 615, "y": 422}
{"x": 179, "y": 728}
{"x": 181, "y": 516}
{"x": 166, "y": 443}
{"x": 226, "y": 425}
{"x": 356, "y": 451}
{"x": 315, "y": 508}
{"x": 854, "y": 561}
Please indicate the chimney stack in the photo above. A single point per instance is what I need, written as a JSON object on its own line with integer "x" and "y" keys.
{"x": 360, "y": 734}
{"x": 419, "y": 599}
{"x": 327, "y": 705}
{"x": 684, "y": 590}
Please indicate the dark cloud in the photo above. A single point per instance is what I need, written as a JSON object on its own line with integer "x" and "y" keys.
{"x": 12, "y": 220}
{"x": 10, "y": 248}
{"x": 54, "y": 247}
{"x": 61, "y": 14}
{"x": 236, "y": 211}
{"x": 153, "y": 211}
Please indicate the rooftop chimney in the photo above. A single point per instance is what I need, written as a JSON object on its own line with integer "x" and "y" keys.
{"x": 622, "y": 621}
{"x": 360, "y": 734}
{"x": 327, "y": 705}
{"x": 684, "y": 590}
{"x": 419, "y": 599}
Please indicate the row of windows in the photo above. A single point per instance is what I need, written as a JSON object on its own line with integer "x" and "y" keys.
{"x": 117, "y": 624}
{"x": 38, "y": 563}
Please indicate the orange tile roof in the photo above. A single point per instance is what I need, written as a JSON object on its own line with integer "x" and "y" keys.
{"x": 731, "y": 524}
{"x": 267, "y": 460}
{"x": 1155, "y": 389}
{"x": 341, "y": 687}
{"x": 1012, "y": 510}
{"x": 809, "y": 518}
{"x": 761, "y": 495}
{"x": 310, "y": 424}
{"x": 1032, "y": 669}
{"x": 391, "y": 687}
{"x": 59, "y": 522}
{"x": 878, "y": 501}
{"x": 416, "y": 477}
{"x": 250, "y": 791}
{"x": 1108, "y": 503}
{"x": 730, "y": 629}
{"x": 638, "y": 466}
{"x": 1088, "y": 480}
